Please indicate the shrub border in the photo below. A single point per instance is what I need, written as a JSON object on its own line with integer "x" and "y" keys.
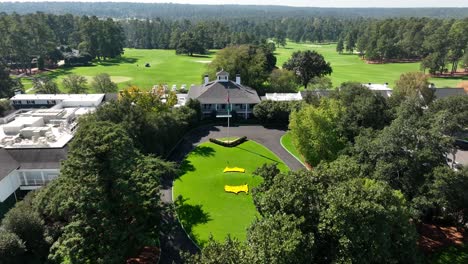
{"x": 229, "y": 144}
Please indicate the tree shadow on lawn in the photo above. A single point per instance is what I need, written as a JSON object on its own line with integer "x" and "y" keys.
{"x": 53, "y": 74}
{"x": 191, "y": 216}
{"x": 203, "y": 151}
{"x": 258, "y": 154}
{"x": 184, "y": 167}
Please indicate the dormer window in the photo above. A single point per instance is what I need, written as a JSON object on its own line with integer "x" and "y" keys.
{"x": 222, "y": 76}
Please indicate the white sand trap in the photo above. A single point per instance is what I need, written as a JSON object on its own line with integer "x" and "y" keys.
{"x": 200, "y": 61}
{"x": 313, "y": 46}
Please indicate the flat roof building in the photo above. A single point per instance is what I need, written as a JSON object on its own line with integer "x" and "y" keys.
{"x": 283, "y": 96}
{"x": 49, "y": 100}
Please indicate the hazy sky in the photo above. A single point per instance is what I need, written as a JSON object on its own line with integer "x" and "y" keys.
{"x": 316, "y": 3}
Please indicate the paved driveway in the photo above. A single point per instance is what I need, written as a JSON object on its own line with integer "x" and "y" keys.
{"x": 173, "y": 237}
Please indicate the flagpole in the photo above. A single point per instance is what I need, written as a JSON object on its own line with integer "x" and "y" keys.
{"x": 229, "y": 110}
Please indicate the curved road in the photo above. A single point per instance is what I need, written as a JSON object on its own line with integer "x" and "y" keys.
{"x": 173, "y": 237}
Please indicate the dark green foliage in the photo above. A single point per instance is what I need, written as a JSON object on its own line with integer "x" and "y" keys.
{"x": 340, "y": 46}
{"x": 75, "y": 84}
{"x": 268, "y": 172}
{"x": 252, "y": 62}
{"x": 190, "y": 43}
{"x": 278, "y": 239}
{"x": 152, "y": 131}
{"x": 107, "y": 193}
{"x": 44, "y": 85}
{"x": 413, "y": 84}
{"x": 450, "y": 114}
{"x": 275, "y": 112}
{"x": 5, "y": 105}
{"x": 403, "y": 152}
{"x": 8, "y": 86}
{"x": 229, "y": 144}
{"x": 307, "y": 65}
{"x": 231, "y": 251}
{"x": 102, "y": 83}
{"x": 364, "y": 109}
{"x": 367, "y": 222}
{"x": 11, "y": 248}
{"x": 38, "y": 35}
{"x": 445, "y": 198}
{"x": 194, "y": 104}
{"x": 282, "y": 81}
{"x": 23, "y": 221}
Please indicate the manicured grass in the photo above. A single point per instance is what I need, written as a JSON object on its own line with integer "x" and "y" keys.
{"x": 169, "y": 68}
{"x": 166, "y": 68}
{"x": 288, "y": 144}
{"x": 451, "y": 255}
{"x": 349, "y": 67}
{"x": 207, "y": 208}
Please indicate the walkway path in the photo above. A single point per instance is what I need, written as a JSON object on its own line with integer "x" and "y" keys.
{"x": 173, "y": 237}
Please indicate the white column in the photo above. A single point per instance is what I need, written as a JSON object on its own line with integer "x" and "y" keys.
{"x": 246, "y": 107}
{"x": 43, "y": 179}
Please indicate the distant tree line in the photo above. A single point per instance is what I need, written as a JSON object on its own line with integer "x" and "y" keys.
{"x": 218, "y": 33}
{"x": 32, "y": 40}
{"x": 181, "y": 11}
{"x": 437, "y": 42}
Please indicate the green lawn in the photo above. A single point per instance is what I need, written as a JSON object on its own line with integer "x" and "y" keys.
{"x": 349, "y": 67}
{"x": 207, "y": 208}
{"x": 169, "y": 68}
{"x": 166, "y": 68}
{"x": 286, "y": 142}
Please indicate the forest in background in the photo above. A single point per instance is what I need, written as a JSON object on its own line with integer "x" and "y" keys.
{"x": 202, "y": 12}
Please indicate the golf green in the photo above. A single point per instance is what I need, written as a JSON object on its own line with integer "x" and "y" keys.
{"x": 204, "y": 207}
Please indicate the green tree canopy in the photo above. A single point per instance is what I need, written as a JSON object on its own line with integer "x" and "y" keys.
{"x": 8, "y": 86}
{"x": 107, "y": 193}
{"x": 102, "y": 83}
{"x": 75, "y": 84}
{"x": 282, "y": 81}
{"x": 11, "y": 248}
{"x": 364, "y": 109}
{"x": 414, "y": 84}
{"x": 315, "y": 132}
{"x": 251, "y": 62}
{"x": 45, "y": 86}
{"x": 368, "y": 222}
{"x": 307, "y": 65}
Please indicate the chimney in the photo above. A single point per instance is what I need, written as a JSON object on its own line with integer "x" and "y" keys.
{"x": 207, "y": 79}
{"x": 238, "y": 80}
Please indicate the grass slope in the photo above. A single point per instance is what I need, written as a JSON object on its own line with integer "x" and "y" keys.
{"x": 349, "y": 67}
{"x": 286, "y": 142}
{"x": 207, "y": 208}
{"x": 166, "y": 68}
{"x": 169, "y": 68}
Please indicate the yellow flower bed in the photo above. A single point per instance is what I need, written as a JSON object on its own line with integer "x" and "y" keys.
{"x": 235, "y": 169}
{"x": 237, "y": 189}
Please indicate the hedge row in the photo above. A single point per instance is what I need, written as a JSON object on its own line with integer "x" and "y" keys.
{"x": 229, "y": 144}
